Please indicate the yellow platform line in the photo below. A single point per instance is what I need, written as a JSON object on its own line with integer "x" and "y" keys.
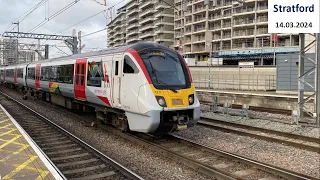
{"x": 20, "y": 167}
{"x": 10, "y": 141}
{"x": 15, "y": 143}
{"x": 42, "y": 173}
{"x": 5, "y": 127}
{"x": 13, "y": 153}
{"x": 8, "y": 132}
{"x": 6, "y": 120}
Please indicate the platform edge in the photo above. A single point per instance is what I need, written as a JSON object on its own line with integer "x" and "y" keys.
{"x": 49, "y": 164}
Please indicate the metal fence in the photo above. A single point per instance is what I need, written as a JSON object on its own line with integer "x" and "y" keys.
{"x": 247, "y": 82}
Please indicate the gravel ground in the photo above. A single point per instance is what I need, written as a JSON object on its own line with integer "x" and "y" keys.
{"x": 254, "y": 114}
{"x": 279, "y": 155}
{"x": 148, "y": 164}
{"x": 154, "y": 166}
{"x": 263, "y": 123}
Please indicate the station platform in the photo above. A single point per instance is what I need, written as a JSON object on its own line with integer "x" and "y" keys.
{"x": 20, "y": 157}
{"x": 250, "y": 93}
{"x": 266, "y": 99}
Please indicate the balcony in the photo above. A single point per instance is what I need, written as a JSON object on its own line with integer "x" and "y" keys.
{"x": 199, "y": 39}
{"x": 216, "y": 37}
{"x": 130, "y": 33}
{"x": 146, "y": 3}
{"x": 242, "y": 11}
{"x": 146, "y": 12}
{"x": 132, "y": 19}
{"x": 199, "y": 19}
{"x": 188, "y": 31}
{"x": 133, "y": 11}
{"x": 164, "y": 30}
{"x": 146, "y": 34}
{"x": 162, "y": 5}
{"x": 214, "y": 17}
{"x": 262, "y": 8}
{"x": 177, "y": 26}
{"x": 244, "y": 22}
{"x": 199, "y": 9}
{"x": 132, "y": 26}
{"x": 146, "y": 27}
{"x": 133, "y": 38}
{"x": 199, "y": 29}
{"x": 167, "y": 13}
{"x": 262, "y": 20}
{"x": 163, "y": 38}
{"x": 243, "y": 33}
{"x": 199, "y": 49}
{"x": 146, "y": 20}
{"x": 214, "y": 27}
{"x": 226, "y": 25}
{"x": 188, "y": 22}
{"x": 163, "y": 22}
{"x": 262, "y": 31}
{"x": 132, "y": 4}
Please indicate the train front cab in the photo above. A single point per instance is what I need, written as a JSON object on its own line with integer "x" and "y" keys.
{"x": 168, "y": 100}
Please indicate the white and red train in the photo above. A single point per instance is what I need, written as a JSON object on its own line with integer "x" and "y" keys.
{"x": 144, "y": 87}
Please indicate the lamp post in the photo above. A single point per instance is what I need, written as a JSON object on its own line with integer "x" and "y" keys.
{"x": 17, "y": 55}
{"x": 210, "y": 63}
{"x": 182, "y": 16}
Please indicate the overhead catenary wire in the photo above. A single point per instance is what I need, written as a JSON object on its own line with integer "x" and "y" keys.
{"x": 103, "y": 11}
{"x": 80, "y": 21}
{"x": 54, "y": 15}
{"x": 105, "y": 3}
{"x": 24, "y": 15}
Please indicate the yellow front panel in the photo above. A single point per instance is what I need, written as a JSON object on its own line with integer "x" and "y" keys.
{"x": 174, "y": 100}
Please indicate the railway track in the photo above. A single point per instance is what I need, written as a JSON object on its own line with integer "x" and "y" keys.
{"x": 255, "y": 108}
{"x": 298, "y": 141}
{"x": 73, "y": 157}
{"x": 212, "y": 162}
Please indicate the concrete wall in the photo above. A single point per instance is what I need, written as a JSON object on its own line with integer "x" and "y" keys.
{"x": 231, "y": 78}
{"x": 287, "y": 72}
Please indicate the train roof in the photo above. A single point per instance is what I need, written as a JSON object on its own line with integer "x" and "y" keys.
{"x": 137, "y": 46}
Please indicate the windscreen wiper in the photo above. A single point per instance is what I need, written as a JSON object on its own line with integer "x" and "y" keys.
{"x": 175, "y": 91}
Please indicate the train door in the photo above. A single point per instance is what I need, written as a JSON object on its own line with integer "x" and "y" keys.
{"x": 80, "y": 79}
{"x": 37, "y": 78}
{"x": 15, "y": 75}
{"x": 129, "y": 85}
{"x": 117, "y": 59}
{"x": 1, "y": 75}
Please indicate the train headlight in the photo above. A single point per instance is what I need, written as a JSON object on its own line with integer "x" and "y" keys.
{"x": 191, "y": 99}
{"x": 161, "y": 101}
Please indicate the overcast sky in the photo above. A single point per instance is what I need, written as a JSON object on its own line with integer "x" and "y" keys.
{"x": 10, "y": 10}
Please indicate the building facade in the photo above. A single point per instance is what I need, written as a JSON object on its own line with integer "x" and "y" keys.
{"x": 148, "y": 20}
{"x": 228, "y": 28}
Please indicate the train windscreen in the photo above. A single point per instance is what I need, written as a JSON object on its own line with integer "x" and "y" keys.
{"x": 165, "y": 69}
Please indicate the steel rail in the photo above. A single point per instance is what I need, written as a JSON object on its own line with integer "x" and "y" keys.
{"x": 124, "y": 171}
{"x": 211, "y": 123}
{"x": 262, "y": 166}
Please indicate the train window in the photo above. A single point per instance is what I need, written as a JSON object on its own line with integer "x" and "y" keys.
{"x": 129, "y": 67}
{"x": 117, "y": 68}
{"x": 31, "y": 73}
{"x": 10, "y": 73}
{"x": 77, "y": 73}
{"x": 82, "y": 74}
{"x": 95, "y": 74}
{"x": 66, "y": 74}
{"x": 20, "y": 73}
